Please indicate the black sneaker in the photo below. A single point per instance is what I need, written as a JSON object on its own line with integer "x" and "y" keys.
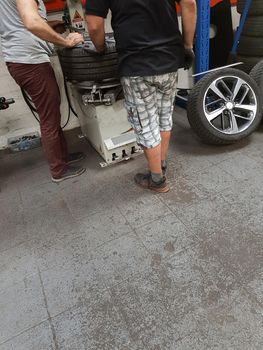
{"x": 68, "y": 173}
{"x": 145, "y": 181}
{"x": 75, "y": 157}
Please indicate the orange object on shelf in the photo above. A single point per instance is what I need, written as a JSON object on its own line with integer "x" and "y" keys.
{"x": 58, "y": 5}
{"x": 215, "y": 2}
{"x": 212, "y": 3}
{"x": 54, "y": 5}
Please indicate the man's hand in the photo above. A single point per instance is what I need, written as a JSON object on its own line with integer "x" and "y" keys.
{"x": 74, "y": 39}
{"x": 189, "y": 57}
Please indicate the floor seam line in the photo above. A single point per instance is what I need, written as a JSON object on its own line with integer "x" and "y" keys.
{"x": 48, "y": 313}
{"x": 22, "y": 332}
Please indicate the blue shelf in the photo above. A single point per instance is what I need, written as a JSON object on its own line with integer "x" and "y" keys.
{"x": 202, "y": 36}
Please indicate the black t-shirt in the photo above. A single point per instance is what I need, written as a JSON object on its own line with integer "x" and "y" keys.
{"x": 147, "y": 36}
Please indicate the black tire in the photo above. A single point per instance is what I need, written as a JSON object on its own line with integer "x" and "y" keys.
{"x": 222, "y": 42}
{"x": 248, "y": 62}
{"x": 250, "y": 46}
{"x": 256, "y": 7}
{"x": 196, "y": 115}
{"x": 80, "y": 65}
{"x": 253, "y": 26}
{"x": 257, "y": 74}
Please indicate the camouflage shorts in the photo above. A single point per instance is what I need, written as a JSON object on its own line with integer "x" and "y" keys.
{"x": 149, "y": 102}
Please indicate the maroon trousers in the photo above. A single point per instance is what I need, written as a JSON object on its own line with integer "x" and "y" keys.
{"x": 39, "y": 81}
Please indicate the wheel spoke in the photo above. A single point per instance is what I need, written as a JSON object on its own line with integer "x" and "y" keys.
{"x": 211, "y": 116}
{"x": 222, "y": 122}
{"x": 233, "y": 122}
{"x": 248, "y": 108}
{"x": 244, "y": 95}
{"x": 215, "y": 89}
{"x": 237, "y": 88}
{"x": 213, "y": 102}
{"x": 242, "y": 117}
{"x": 226, "y": 87}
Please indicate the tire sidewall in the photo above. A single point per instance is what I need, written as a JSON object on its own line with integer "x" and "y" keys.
{"x": 80, "y": 65}
{"x": 256, "y": 7}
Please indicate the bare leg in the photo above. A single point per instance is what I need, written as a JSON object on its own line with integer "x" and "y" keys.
{"x": 153, "y": 156}
{"x": 157, "y": 155}
{"x": 165, "y": 136}
{"x": 153, "y": 180}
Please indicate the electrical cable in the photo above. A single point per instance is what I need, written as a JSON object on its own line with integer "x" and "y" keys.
{"x": 67, "y": 95}
{"x": 68, "y": 118}
{"x": 29, "y": 100}
{"x": 29, "y": 103}
{"x": 33, "y": 110}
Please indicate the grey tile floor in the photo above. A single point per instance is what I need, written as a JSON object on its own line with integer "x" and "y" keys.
{"x": 96, "y": 263}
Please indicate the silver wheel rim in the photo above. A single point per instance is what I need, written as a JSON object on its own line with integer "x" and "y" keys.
{"x": 230, "y": 105}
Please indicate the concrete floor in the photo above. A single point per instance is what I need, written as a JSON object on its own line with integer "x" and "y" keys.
{"x": 96, "y": 263}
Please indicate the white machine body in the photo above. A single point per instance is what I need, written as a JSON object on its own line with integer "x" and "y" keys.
{"x": 103, "y": 121}
{"x": 76, "y": 14}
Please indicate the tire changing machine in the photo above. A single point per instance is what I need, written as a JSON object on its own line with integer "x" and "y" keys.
{"x": 103, "y": 120}
{"x": 100, "y": 109}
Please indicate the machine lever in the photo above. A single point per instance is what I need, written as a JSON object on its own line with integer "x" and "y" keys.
{"x": 4, "y": 103}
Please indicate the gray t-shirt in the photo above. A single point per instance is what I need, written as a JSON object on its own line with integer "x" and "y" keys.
{"x": 18, "y": 44}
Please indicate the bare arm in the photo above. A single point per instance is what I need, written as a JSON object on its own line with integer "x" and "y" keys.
{"x": 188, "y": 8}
{"x": 28, "y": 11}
{"x": 96, "y": 31}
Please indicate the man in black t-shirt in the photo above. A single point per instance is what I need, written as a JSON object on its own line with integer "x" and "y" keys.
{"x": 151, "y": 49}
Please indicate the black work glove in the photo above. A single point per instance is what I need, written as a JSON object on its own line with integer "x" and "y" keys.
{"x": 189, "y": 57}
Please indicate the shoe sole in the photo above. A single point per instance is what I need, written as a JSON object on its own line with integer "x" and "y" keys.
{"x": 68, "y": 177}
{"x": 160, "y": 190}
{"x": 155, "y": 189}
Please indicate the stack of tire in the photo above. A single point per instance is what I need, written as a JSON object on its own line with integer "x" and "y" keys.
{"x": 81, "y": 64}
{"x": 257, "y": 74}
{"x": 250, "y": 48}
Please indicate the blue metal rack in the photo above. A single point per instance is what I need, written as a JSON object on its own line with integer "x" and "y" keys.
{"x": 203, "y": 34}
{"x": 240, "y": 27}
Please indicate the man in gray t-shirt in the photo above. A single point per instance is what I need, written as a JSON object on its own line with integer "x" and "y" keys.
{"x": 27, "y": 42}
{"x": 18, "y": 44}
